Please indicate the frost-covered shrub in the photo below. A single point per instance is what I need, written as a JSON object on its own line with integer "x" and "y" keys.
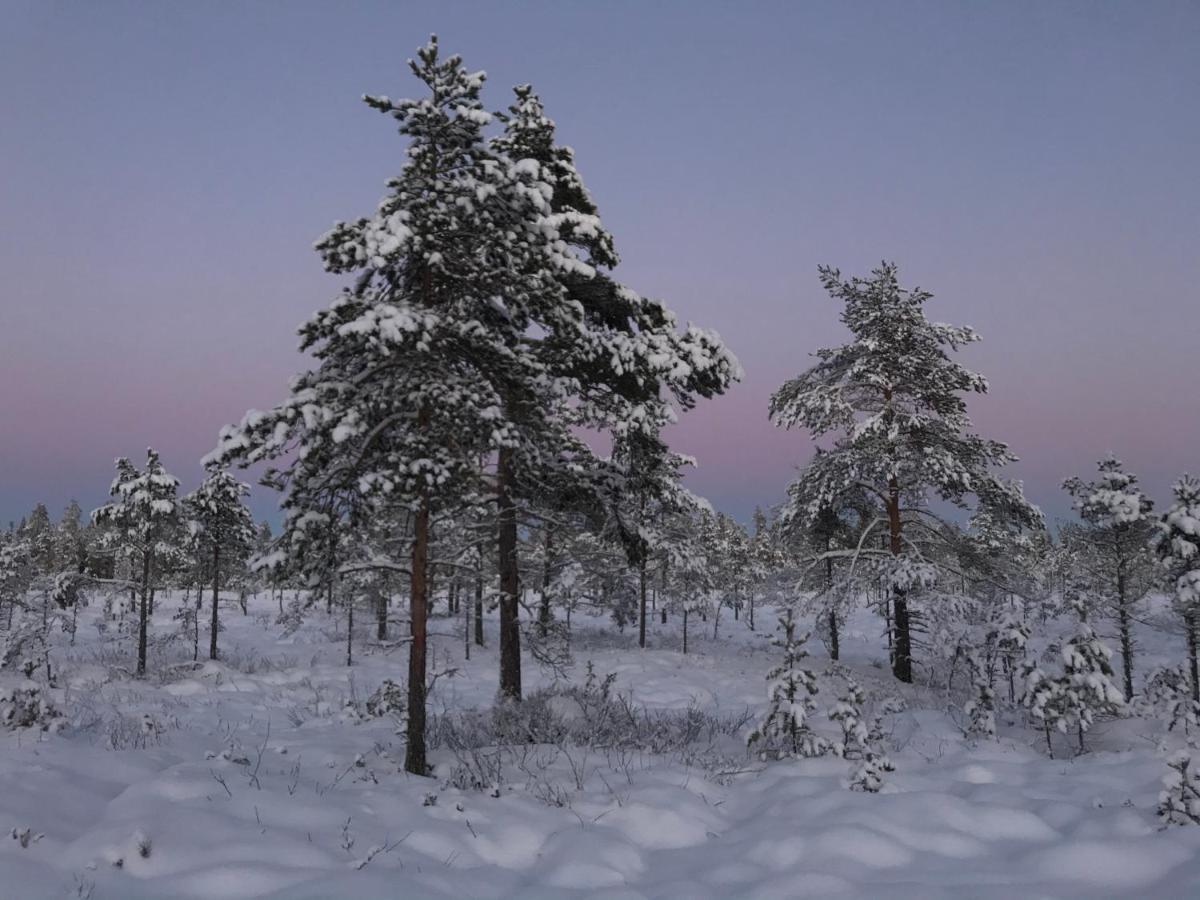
{"x": 1168, "y": 693}
{"x": 1179, "y": 802}
{"x": 847, "y": 712}
{"x": 868, "y": 774}
{"x": 389, "y": 699}
{"x": 552, "y": 723}
{"x": 25, "y": 705}
{"x": 981, "y": 708}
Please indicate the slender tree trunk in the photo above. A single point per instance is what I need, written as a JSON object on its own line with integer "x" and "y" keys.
{"x": 642, "y": 602}
{"x": 750, "y": 610}
{"x": 1193, "y": 663}
{"x": 685, "y": 618}
{"x": 662, "y": 587}
{"x": 902, "y": 664}
{"x": 414, "y": 751}
{"x": 510, "y": 579}
{"x": 381, "y": 614}
{"x": 144, "y": 613}
{"x": 350, "y": 629}
{"x": 833, "y": 620}
{"x": 1126, "y": 628}
{"x": 544, "y": 608}
{"x": 216, "y": 596}
{"x": 466, "y": 631}
{"x": 479, "y": 601}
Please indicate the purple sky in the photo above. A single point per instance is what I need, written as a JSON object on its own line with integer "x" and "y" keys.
{"x": 164, "y": 169}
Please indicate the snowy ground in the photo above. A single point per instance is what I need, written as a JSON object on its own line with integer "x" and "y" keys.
{"x": 261, "y": 781}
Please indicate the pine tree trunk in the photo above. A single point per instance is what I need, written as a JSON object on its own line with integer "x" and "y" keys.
{"x": 143, "y": 614}
{"x": 216, "y": 594}
{"x": 381, "y": 615}
{"x": 1123, "y": 623}
{"x": 466, "y": 631}
{"x": 902, "y": 664}
{"x": 479, "y": 601}
{"x": 642, "y": 602}
{"x": 350, "y": 629}
{"x": 1193, "y": 663}
{"x": 833, "y": 622}
{"x": 685, "y": 618}
{"x": 662, "y": 588}
{"x": 544, "y": 608}
{"x": 414, "y": 751}
{"x": 510, "y": 579}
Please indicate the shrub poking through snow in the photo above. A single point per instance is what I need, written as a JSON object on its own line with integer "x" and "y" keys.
{"x": 1179, "y": 802}
{"x": 1168, "y": 694}
{"x": 861, "y": 742}
{"x": 981, "y": 709}
{"x": 784, "y": 730}
{"x": 389, "y": 699}
{"x": 868, "y": 774}
{"x": 847, "y": 712}
{"x": 26, "y": 836}
{"x": 25, "y": 705}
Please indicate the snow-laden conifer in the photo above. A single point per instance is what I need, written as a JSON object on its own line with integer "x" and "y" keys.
{"x": 1109, "y": 552}
{"x": 1179, "y": 801}
{"x": 893, "y": 398}
{"x": 223, "y": 533}
{"x": 143, "y": 519}
{"x": 791, "y": 687}
{"x": 1177, "y": 542}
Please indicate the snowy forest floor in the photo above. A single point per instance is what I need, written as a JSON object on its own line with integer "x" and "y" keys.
{"x": 263, "y": 776}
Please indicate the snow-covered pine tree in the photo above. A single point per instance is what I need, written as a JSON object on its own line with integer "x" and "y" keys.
{"x": 70, "y": 540}
{"x": 39, "y": 534}
{"x": 784, "y": 730}
{"x": 644, "y": 494}
{"x": 425, "y": 364}
{"x": 1087, "y": 677}
{"x": 16, "y": 573}
{"x": 1012, "y": 636}
{"x": 981, "y": 708}
{"x": 1177, "y": 543}
{"x": 893, "y": 398}
{"x": 1110, "y": 550}
{"x": 224, "y": 534}
{"x": 143, "y": 518}
{"x": 848, "y": 713}
{"x": 618, "y": 354}
{"x": 1045, "y": 698}
{"x": 1179, "y": 801}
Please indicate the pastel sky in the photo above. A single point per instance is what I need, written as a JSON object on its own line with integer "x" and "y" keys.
{"x": 165, "y": 167}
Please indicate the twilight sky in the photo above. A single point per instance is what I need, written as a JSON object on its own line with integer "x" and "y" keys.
{"x": 165, "y": 167}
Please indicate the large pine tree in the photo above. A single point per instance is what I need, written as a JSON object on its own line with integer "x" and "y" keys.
{"x": 892, "y": 397}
